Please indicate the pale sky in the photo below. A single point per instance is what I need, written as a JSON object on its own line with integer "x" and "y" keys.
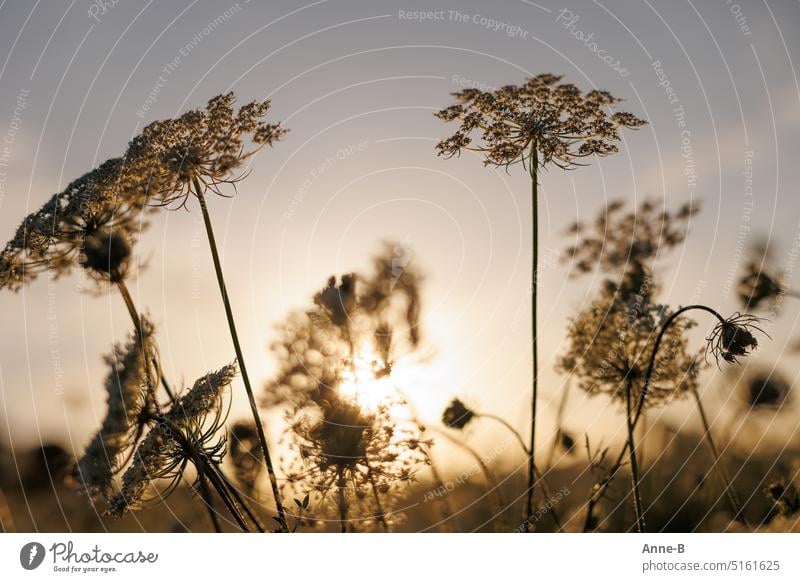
{"x": 357, "y": 84}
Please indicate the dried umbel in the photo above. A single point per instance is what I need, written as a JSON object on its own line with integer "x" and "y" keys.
{"x": 734, "y": 337}
{"x": 542, "y": 120}
{"x": 204, "y": 147}
{"x": 610, "y": 345}
{"x": 130, "y": 387}
{"x": 92, "y": 223}
{"x": 189, "y": 432}
{"x": 358, "y": 327}
{"x": 628, "y": 243}
{"x": 353, "y": 458}
{"x": 457, "y": 415}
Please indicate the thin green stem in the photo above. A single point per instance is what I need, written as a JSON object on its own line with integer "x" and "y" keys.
{"x": 240, "y": 356}
{"x": 730, "y": 492}
{"x": 534, "y": 163}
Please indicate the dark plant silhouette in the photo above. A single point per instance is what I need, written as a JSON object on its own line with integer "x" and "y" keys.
{"x": 626, "y": 245}
{"x": 199, "y": 152}
{"x": 335, "y": 371}
{"x": 536, "y": 124}
{"x": 614, "y": 344}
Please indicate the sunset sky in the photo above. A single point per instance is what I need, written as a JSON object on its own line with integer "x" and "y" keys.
{"x": 357, "y": 85}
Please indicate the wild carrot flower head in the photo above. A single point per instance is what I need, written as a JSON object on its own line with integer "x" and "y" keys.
{"x": 358, "y": 327}
{"x": 204, "y": 146}
{"x": 192, "y": 426}
{"x": 92, "y": 223}
{"x": 734, "y": 337}
{"x": 341, "y": 445}
{"x": 544, "y": 117}
{"x": 610, "y": 345}
{"x": 457, "y": 415}
{"x": 130, "y": 387}
{"x": 628, "y": 243}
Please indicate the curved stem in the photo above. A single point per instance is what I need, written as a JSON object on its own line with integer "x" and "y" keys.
{"x": 537, "y": 473}
{"x": 492, "y": 489}
{"x": 240, "y": 356}
{"x": 723, "y": 473}
{"x": 510, "y": 428}
{"x": 447, "y": 509}
{"x": 637, "y": 499}
{"x": 603, "y": 487}
{"x": 534, "y": 162}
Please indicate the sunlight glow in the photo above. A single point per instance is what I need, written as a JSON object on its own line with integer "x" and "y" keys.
{"x": 368, "y": 381}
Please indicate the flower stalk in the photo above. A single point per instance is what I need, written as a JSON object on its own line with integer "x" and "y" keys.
{"x": 198, "y": 191}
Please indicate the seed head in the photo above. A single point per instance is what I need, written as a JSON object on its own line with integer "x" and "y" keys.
{"x": 556, "y": 120}
{"x": 734, "y": 337}
{"x": 610, "y": 344}
{"x": 457, "y": 415}
{"x": 205, "y": 146}
{"x": 193, "y": 423}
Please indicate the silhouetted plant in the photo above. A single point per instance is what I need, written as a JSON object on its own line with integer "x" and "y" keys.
{"x": 362, "y": 455}
{"x": 628, "y": 244}
{"x": 457, "y": 416}
{"x": 199, "y": 152}
{"x": 614, "y": 344}
{"x": 91, "y": 223}
{"x": 536, "y": 124}
{"x": 188, "y": 432}
{"x": 335, "y": 365}
{"x": 130, "y": 388}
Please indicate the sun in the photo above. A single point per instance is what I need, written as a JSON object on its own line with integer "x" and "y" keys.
{"x": 367, "y": 380}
